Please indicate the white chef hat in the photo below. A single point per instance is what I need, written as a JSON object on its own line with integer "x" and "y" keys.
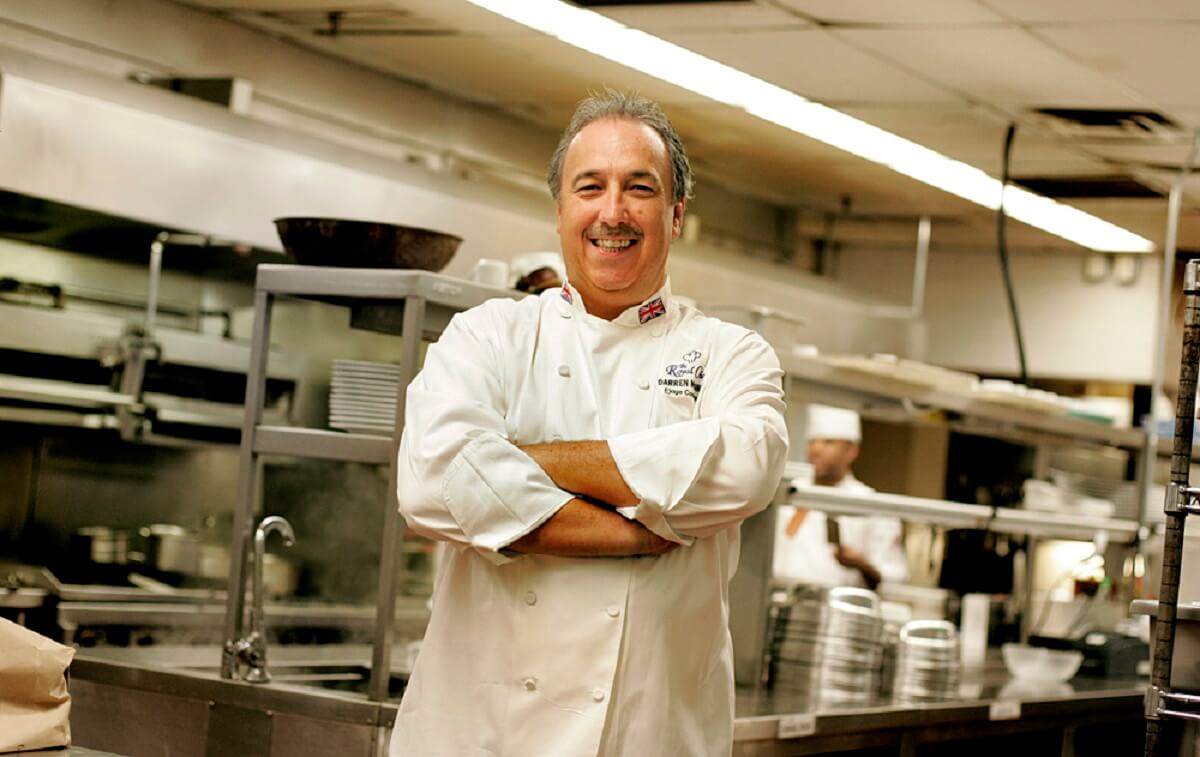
{"x": 826, "y": 422}
{"x": 526, "y": 263}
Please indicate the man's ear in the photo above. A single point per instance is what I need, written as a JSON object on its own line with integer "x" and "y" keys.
{"x": 677, "y": 211}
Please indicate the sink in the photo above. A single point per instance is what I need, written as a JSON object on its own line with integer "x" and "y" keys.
{"x": 352, "y": 678}
{"x": 348, "y": 677}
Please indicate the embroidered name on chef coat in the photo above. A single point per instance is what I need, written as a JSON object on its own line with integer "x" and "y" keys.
{"x": 685, "y": 378}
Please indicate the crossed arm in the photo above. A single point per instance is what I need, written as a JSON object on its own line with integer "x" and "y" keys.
{"x": 588, "y": 525}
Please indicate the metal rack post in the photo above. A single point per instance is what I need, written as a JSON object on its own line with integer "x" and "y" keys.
{"x": 248, "y": 470}
{"x": 1163, "y": 723}
{"x": 391, "y": 562}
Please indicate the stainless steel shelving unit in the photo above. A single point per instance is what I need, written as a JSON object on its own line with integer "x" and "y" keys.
{"x": 898, "y": 400}
{"x": 958, "y": 515}
{"x": 894, "y": 399}
{"x": 834, "y": 386}
{"x": 414, "y": 305}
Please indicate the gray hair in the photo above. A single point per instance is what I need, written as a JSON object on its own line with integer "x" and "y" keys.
{"x": 632, "y": 107}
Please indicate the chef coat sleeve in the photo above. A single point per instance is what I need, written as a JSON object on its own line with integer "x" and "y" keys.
{"x": 696, "y": 478}
{"x": 884, "y": 547}
{"x": 459, "y": 479}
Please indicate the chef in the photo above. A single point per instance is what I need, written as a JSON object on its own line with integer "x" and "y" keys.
{"x": 589, "y": 455}
{"x": 858, "y": 551}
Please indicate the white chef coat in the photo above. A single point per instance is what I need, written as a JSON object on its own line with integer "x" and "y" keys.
{"x": 544, "y": 655}
{"x": 807, "y": 557}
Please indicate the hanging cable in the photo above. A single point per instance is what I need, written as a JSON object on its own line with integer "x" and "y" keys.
{"x": 1002, "y": 248}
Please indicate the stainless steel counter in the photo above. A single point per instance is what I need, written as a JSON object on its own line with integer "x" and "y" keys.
{"x": 985, "y": 696}
{"x": 71, "y": 751}
{"x": 200, "y": 659}
{"x": 766, "y": 722}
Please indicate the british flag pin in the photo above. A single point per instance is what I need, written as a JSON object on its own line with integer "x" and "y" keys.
{"x": 651, "y": 310}
{"x": 566, "y": 295}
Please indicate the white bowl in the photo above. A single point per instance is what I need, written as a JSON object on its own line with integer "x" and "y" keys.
{"x": 1039, "y": 664}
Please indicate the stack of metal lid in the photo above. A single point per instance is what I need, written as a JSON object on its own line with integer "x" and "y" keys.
{"x": 927, "y": 662}
{"x": 827, "y": 645}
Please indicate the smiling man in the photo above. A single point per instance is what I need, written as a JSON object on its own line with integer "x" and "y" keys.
{"x": 589, "y": 455}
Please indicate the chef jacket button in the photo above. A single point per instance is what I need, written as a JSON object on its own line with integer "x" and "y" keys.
{"x": 530, "y": 598}
{"x": 598, "y": 695}
{"x": 565, "y": 313}
{"x": 656, "y": 331}
{"x": 643, "y": 385}
{"x": 556, "y": 438}
{"x": 530, "y": 684}
{"x": 564, "y": 371}
{"x": 613, "y": 611}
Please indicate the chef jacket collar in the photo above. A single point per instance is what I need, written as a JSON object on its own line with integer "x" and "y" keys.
{"x": 657, "y": 308}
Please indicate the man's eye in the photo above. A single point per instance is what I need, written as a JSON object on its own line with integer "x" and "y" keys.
{"x": 642, "y": 188}
{"x": 587, "y": 188}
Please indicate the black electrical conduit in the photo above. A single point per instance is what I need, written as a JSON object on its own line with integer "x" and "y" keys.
{"x": 1002, "y": 249}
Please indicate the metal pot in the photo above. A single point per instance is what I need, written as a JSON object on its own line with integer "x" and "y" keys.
{"x": 171, "y": 548}
{"x": 281, "y": 575}
{"x": 100, "y": 545}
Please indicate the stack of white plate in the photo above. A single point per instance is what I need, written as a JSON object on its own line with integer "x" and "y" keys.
{"x": 362, "y": 397}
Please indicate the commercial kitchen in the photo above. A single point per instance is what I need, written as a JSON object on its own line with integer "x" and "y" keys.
{"x": 969, "y": 222}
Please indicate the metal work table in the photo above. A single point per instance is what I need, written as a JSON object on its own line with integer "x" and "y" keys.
{"x": 764, "y": 720}
{"x": 766, "y": 716}
{"x": 71, "y": 751}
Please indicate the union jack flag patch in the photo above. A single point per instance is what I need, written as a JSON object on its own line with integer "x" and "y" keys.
{"x": 566, "y": 295}
{"x": 651, "y": 310}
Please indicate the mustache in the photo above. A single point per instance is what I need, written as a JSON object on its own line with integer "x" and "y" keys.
{"x": 620, "y": 230}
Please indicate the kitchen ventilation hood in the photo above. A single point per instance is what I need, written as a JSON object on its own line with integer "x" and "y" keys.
{"x": 84, "y": 155}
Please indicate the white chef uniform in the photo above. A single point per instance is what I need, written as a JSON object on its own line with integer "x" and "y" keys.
{"x": 543, "y": 655}
{"x": 807, "y": 557}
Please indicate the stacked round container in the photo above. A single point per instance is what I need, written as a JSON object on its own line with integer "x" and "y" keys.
{"x": 827, "y": 646}
{"x": 927, "y": 662}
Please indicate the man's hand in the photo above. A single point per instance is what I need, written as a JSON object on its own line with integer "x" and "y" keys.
{"x": 586, "y": 529}
{"x": 585, "y": 468}
{"x": 852, "y": 558}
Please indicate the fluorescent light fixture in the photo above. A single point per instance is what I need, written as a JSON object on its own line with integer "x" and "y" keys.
{"x": 683, "y": 68}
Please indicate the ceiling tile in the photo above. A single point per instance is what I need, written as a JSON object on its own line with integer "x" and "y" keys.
{"x": 1093, "y": 11}
{"x": 273, "y": 5}
{"x": 1149, "y": 155}
{"x": 483, "y": 72}
{"x": 976, "y": 136}
{"x": 1157, "y": 60}
{"x": 709, "y": 15}
{"x": 816, "y": 64}
{"x": 1005, "y": 67}
{"x": 891, "y": 12}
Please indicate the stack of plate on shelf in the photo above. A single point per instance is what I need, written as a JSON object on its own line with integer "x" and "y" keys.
{"x": 362, "y": 397}
{"x": 927, "y": 662}
{"x": 827, "y": 647}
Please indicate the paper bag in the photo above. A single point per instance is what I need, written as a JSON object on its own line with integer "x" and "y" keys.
{"x": 34, "y": 703}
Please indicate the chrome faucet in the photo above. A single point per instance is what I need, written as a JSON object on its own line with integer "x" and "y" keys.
{"x": 250, "y": 651}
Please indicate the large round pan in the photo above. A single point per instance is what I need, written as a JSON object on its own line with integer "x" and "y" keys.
{"x": 365, "y": 244}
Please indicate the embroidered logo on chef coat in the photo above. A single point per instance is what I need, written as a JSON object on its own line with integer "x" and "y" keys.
{"x": 685, "y": 378}
{"x": 651, "y": 310}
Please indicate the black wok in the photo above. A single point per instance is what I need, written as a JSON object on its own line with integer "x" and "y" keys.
{"x": 365, "y": 244}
